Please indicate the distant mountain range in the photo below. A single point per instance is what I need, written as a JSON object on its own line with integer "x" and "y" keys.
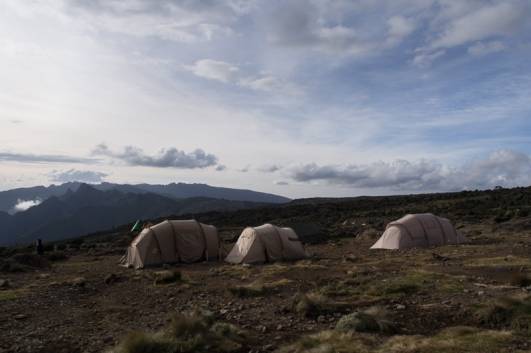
{"x": 74, "y": 209}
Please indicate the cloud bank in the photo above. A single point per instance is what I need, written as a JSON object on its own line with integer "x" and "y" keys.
{"x": 85, "y": 176}
{"x": 43, "y": 158}
{"x": 504, "y": 167}
{"x": 166, "y": 158}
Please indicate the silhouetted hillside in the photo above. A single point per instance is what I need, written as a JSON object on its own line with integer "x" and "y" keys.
{"x": 88, "y": 210}
{"x": 8, "y": 199}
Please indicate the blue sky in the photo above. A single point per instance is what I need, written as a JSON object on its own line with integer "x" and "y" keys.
{"x": 301, "y": 98}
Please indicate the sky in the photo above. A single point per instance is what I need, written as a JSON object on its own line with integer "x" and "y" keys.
{"x": 298, "y": 98}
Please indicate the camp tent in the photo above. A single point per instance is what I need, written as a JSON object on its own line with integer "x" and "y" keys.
{"x": 266, "y": 243}
{"x": 173, "y": 241}
{"x": 418, "y": 230}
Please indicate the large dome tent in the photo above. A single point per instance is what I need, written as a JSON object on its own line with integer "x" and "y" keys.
{"x": 173, "y": 241}
{"x": 419, "y": 230}
{"x": 266, "y": 243}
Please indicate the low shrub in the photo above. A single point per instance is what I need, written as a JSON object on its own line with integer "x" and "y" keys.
{"x": 196, "y": 332}
{"x": 366, "y": 321}
{"x": 167, "y": 276}
{"x": 314, "y": 304}
{"x": 520, "y": 279}
{"x": 257, "y": 288}
{"x": 510, "y": 312}
{"x": 56, "y": 256}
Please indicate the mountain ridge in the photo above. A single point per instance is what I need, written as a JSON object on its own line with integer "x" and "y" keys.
{"x": 89, "y": 209}
{"x": 10, "y": 198}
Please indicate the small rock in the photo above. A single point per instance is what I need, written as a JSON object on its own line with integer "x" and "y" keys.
{"x": 268, "y": 347}
{"x": 481, "y": 292}
{"x": 110, "y": 278}
{"x": 400, "y": 307}
{"x": 20, "y": 317}
{"x": 280, "y": 327}
{"x": 78, "y": 282}
{"x": 321, "y": 319}
{"x": 262, "y": 329}
{"x": 223, "y": 311}
{"x": 4, "y": 284}
{"x": 350, "y": 258}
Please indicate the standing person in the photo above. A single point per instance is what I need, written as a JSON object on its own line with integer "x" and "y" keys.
{"x": 38, "y": 247}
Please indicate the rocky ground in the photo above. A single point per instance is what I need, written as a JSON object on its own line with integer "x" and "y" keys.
{"x": 87, "y": 303}
{"x": 343, "y": 298}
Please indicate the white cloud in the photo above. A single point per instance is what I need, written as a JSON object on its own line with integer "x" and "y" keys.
{"x": 483, "y": 48}
{"x": 165, "y": 158}
{"x": 85, "y": 176}
{"x": 399, "y": 28}
{"x": 214, "y": 70}
{"x": 425, "y": 58}
{"x": 503, "y": 167}
{"x": 24, "y": 205}
{"x": 270, "y": 168}
{"x": 281, "y": 183}
{"x": 187, "y": 22}
{"x": 231, "y": 74}
{"x": 498, "y": 19}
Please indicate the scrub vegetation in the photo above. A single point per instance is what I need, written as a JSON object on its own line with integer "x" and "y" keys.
{"x": 473, "y": 297}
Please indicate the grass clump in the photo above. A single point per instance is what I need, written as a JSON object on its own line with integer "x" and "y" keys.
{"x": 450, "y": 340}
{"x": 9, "y": 294}
{"x": 314, "y": 304}
{"x": 520, "y": 279}
{"x": 454, "y": 339}
{"x": 372, "y": 320}
{"x": 509, "y": 261}
{"x": 56, "y": 256}
{"x": 510, "y": 312}
{"x": 409, "y": 283}
{"x": 139, "y": 342}
{"x": 257, "y": 288}
{"x": 23, "y": 262}
{"x": 192, "y": 332}
{"x": 331, "y": 341}
{"x": 167, "y": 276}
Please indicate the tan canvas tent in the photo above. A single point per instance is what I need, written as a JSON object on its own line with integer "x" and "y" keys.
{"x": 171, "y": 242}
{"x": 418, "y": 230}
{"x": 266, "y": 243}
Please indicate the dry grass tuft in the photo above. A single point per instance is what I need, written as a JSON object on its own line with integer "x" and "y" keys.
{"x": 314, "y": 304}
{"x": 450, "y": 340}
{"x": 520, "y": 279}
{"x": 187, "y": 333}
{"x": 257, "y": 288}
{"x": 510, "y": 312}
{"x": 371, "y": 320}
{"x": 167, "y": 276}
{"x": 330, "y": 342}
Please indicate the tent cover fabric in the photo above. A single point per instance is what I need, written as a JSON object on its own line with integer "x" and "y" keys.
{"x": 419, "y": 230}
{"x": 171, "y": 242}
{"x": 266, "y": 243}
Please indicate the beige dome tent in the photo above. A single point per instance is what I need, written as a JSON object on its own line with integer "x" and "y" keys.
{"x": 171, "y": 242}
{"x": 418, "y": 230}
{"x": 266, "y": 243}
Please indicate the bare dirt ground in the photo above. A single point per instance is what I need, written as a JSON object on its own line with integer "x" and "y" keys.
{"x": 87, "y": 303}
